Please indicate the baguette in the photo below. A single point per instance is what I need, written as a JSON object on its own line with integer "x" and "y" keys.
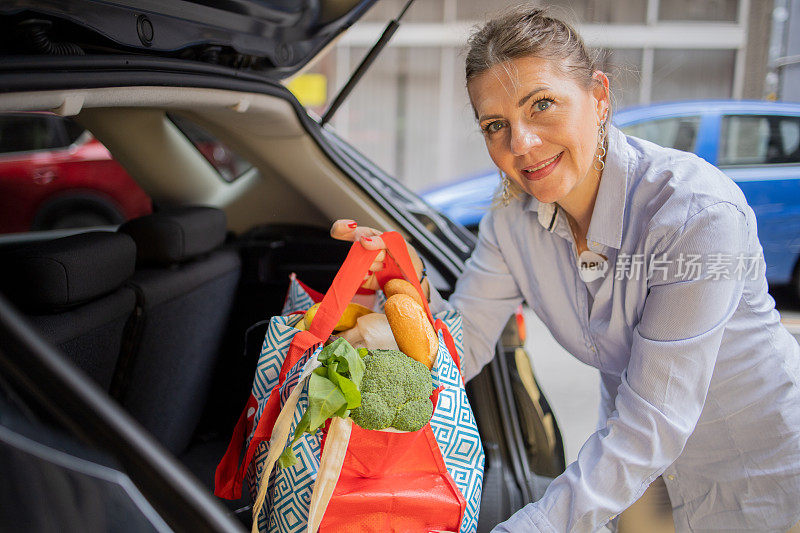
{"x": 411, "y": 329}
{"x": 401, "y": 286}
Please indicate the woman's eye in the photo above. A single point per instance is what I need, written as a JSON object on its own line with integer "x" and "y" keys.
{"x": 541, "y": 105}
{"x": 493, "y": 127}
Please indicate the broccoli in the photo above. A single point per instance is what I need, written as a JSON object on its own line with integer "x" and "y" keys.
{"x": 395, "y": 391}
{"x": 413, "y": 414}
{"x": 419, "y": 383}
{"x": 374, "y": 412}
{"x": 385, "y": 374}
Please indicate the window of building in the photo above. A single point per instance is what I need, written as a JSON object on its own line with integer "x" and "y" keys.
{"x": 573, "y": 11}
{"x": 692, "y": 74}
{"x": 758, "y": 140}
{"x": 675, "y": 132}
{"x": 228, "y": 163}
{"x": 481, "y": 11}
{"x": 427, "y": 11}
{"x": 600, "y": 12}
{"x": 707, "y": 10}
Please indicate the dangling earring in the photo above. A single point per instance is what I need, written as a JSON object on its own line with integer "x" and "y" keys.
{"x": 600, "y": 164}
{"x": 506, "y": 198}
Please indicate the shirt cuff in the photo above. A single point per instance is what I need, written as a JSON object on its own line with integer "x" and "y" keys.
{"x": 527, "y": 519}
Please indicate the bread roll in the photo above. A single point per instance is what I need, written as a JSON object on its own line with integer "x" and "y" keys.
{"x": 401, "y": 286}
{"x": 353, "y": 336}
{"x": 376, "y": 333}
{"x": 414, "y": 334}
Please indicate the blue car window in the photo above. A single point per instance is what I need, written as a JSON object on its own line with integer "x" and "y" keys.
{"x": 674, "y": 132}
{"x": 790, "y": 137}
{"x": 759, "y": 140}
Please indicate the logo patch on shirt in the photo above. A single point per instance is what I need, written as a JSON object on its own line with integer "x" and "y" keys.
{"x": 591, "y": 266}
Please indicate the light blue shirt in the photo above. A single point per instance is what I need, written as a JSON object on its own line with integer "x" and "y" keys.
{"x": 700, "y": 382}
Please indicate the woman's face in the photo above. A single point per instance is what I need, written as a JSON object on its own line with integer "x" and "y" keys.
{"x": 540, "y": 126}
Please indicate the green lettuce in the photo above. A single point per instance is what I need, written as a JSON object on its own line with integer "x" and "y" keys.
{"x": 333, "y": 390}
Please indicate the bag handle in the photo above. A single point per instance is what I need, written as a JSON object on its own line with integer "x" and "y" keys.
{"x": 330, "y": 466}
{"x": 277, "y": 442}
{"x": 346, "y": 284}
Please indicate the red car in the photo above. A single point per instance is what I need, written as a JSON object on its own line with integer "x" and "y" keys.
{"x": 55, "y": 175}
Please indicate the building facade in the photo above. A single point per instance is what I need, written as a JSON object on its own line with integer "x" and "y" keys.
{"x": 411, "y": 115}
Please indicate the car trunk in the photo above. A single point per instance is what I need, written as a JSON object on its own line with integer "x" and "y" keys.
{"x": 277, "y": 219}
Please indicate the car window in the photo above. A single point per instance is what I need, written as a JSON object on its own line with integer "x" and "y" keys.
{"x": 675, "y": 132}
{"x": 55, "y": 176}
{"x": 759, "y": 140}
{"x": 228, "y": 163}
{"x": 27, "y": 132}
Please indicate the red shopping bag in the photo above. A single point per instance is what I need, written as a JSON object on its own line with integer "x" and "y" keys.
{"x": 393, "y": 482}
{"x": 388, "y": 481}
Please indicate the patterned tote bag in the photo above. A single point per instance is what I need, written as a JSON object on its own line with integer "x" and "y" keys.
{"x": 348, "y": 478}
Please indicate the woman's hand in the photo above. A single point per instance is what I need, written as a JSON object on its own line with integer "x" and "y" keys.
{"x": 349, "y": 230}
{"x": 370, "y": 238}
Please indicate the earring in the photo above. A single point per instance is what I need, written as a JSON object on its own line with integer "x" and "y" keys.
{"x": 600, "y": 164}
{"x": 506, "y": 197}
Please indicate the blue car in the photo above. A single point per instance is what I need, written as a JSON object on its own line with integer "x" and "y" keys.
{"x": 756, "y": 143}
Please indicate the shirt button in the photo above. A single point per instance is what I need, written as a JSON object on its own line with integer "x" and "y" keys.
{"x": 671, "y": 477}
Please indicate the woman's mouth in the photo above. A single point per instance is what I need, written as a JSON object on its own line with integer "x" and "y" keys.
{"x": 541, "y": 169}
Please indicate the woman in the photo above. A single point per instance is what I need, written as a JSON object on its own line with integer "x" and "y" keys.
{"x": 643, "y": 262}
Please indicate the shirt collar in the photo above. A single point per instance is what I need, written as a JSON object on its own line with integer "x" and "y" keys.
{"x": 609, "y": 209}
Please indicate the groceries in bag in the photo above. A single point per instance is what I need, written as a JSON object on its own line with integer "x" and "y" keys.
{"x": 380, "y": 388}
{"x": 347, "y": 477}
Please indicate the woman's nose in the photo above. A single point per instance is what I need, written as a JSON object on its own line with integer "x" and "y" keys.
{"x": 523, "y": 140}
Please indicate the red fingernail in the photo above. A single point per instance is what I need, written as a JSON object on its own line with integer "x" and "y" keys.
{"x": 353, "y": 225}
{"x": 370, "y": 272}
{"x": 368, "y": 239}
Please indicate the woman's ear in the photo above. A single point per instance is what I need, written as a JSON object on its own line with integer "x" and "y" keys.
{"x": 601, "y": 93}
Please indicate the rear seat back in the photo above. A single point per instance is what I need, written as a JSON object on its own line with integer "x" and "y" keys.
{"x": 71, "y": 290}
{"x": 185, "y": 284}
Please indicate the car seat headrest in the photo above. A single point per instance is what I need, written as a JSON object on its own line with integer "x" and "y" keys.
{"x": 48, "y": 276}
{"x": 176, "y": 235}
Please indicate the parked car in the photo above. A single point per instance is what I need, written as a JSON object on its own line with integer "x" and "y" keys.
{"x": 126, "y": 356}
{"x": 55, "y": 175}
{"x": 756, "y": 143}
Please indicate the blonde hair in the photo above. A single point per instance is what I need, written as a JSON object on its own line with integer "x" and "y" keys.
{"x": 523, "y": 31}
